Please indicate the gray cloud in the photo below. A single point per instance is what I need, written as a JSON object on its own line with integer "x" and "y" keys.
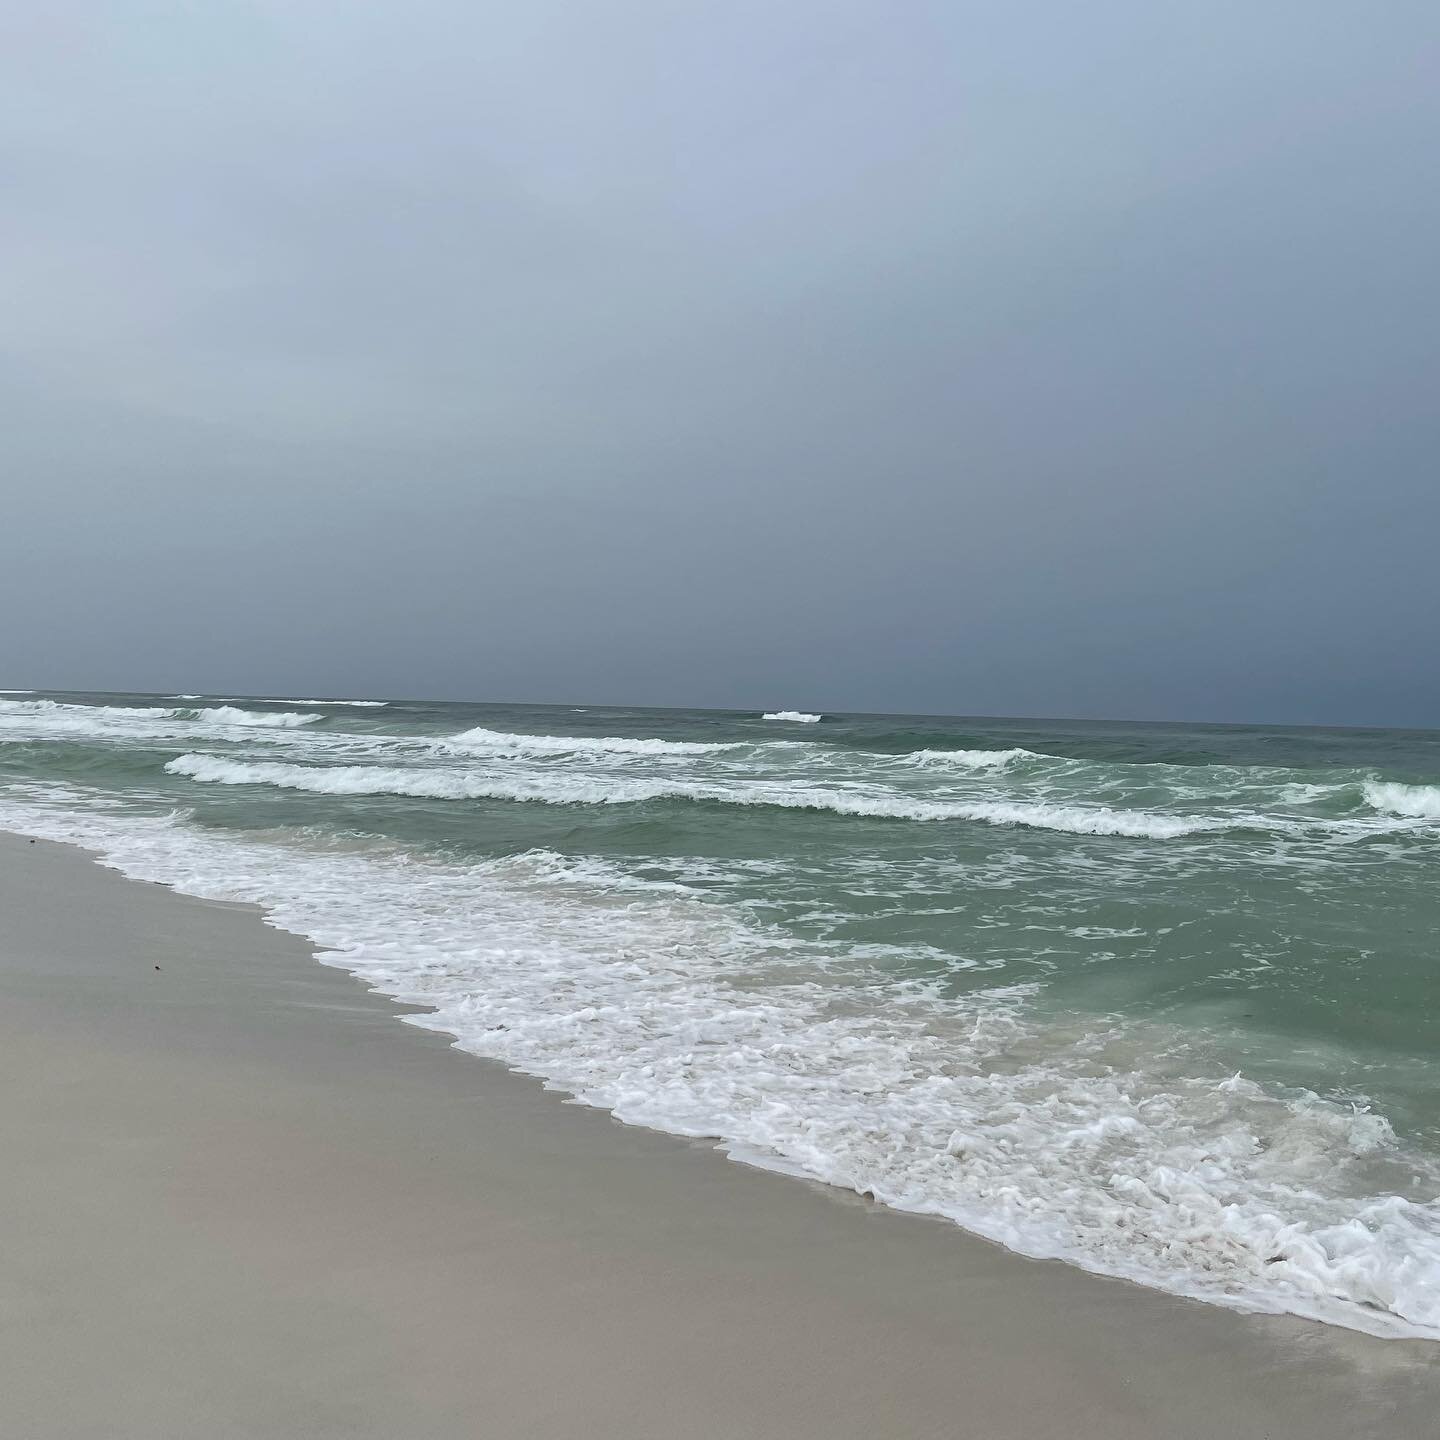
{"x": 1037, "y": 359}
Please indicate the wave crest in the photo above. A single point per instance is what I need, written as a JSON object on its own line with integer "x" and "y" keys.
{"x": 1419, "y": 802}
{"x": 972, "y": 759}
{"x": 500, "y": 743}
{"x": 229, "y": 715}
{"x": 800, "y": 717}
{"x": 64, "y": 718}
{"x": 42, "y": 709}
{"x": 580, "y": 789}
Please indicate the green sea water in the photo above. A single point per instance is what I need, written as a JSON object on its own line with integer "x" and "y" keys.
{"x": 1160, "y": 1000}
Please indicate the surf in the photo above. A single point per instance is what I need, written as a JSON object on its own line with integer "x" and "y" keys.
{"x": 1058, "y": 1139}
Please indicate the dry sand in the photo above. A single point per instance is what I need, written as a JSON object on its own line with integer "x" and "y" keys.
{"x": 240, "y": 1199}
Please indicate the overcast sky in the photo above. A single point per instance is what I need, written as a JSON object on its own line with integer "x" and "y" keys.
{"x": 1031, "y": 358}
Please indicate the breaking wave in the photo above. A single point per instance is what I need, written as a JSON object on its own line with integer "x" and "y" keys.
{"x": 229, "y": 715}
{"x": 43, "y": 709}
{"x": 500, "y": 743}
{"x": 1420, "y": 802}
{"x": 63, "y": 718}
{"x": 801, "y": 717}
{"x": 558, "y": 788}
{"x": 972, "y": 759}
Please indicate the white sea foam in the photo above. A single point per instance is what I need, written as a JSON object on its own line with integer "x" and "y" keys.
{"x": 358, "y": 704}
{"x": 971, "y": 759}
{"x": 1085, "y": 819}
{"x": 501, "y": 743}
{"x": 800, "y": 717}
{"x": 1063, "y": 1139}
{"x": 1422, "y": 802}
{"x": 29, "y": 720}
{"x": 39, "y": 709}
{"x": 182, "y": 697}
{"x": 583, "y": 788}
{"x": 274, "y": 719}
{"x": 57, "y": 719}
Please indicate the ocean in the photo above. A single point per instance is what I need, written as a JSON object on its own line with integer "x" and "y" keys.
{"x": 1156, "y": 1000}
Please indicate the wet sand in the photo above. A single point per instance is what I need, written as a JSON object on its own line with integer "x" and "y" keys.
{"x": 240, "y": 1199}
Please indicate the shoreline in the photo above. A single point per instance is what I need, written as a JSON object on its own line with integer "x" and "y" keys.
{"x": 249, "y": 1203}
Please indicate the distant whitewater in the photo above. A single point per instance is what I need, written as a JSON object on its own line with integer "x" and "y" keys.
{"x": 354, "y": 704}
{"x": 1156, "y": 1001}
{"x": 50, "y": 717}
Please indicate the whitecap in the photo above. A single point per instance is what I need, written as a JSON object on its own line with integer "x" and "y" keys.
{"x": 972, "y": 759}
{"x": 579, "y": 788}
{"x": 499, "y": 742}
{"x": 51, "y": 718}
{"x": 277, "y": 719}
{"x": 1420, "y": 802}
